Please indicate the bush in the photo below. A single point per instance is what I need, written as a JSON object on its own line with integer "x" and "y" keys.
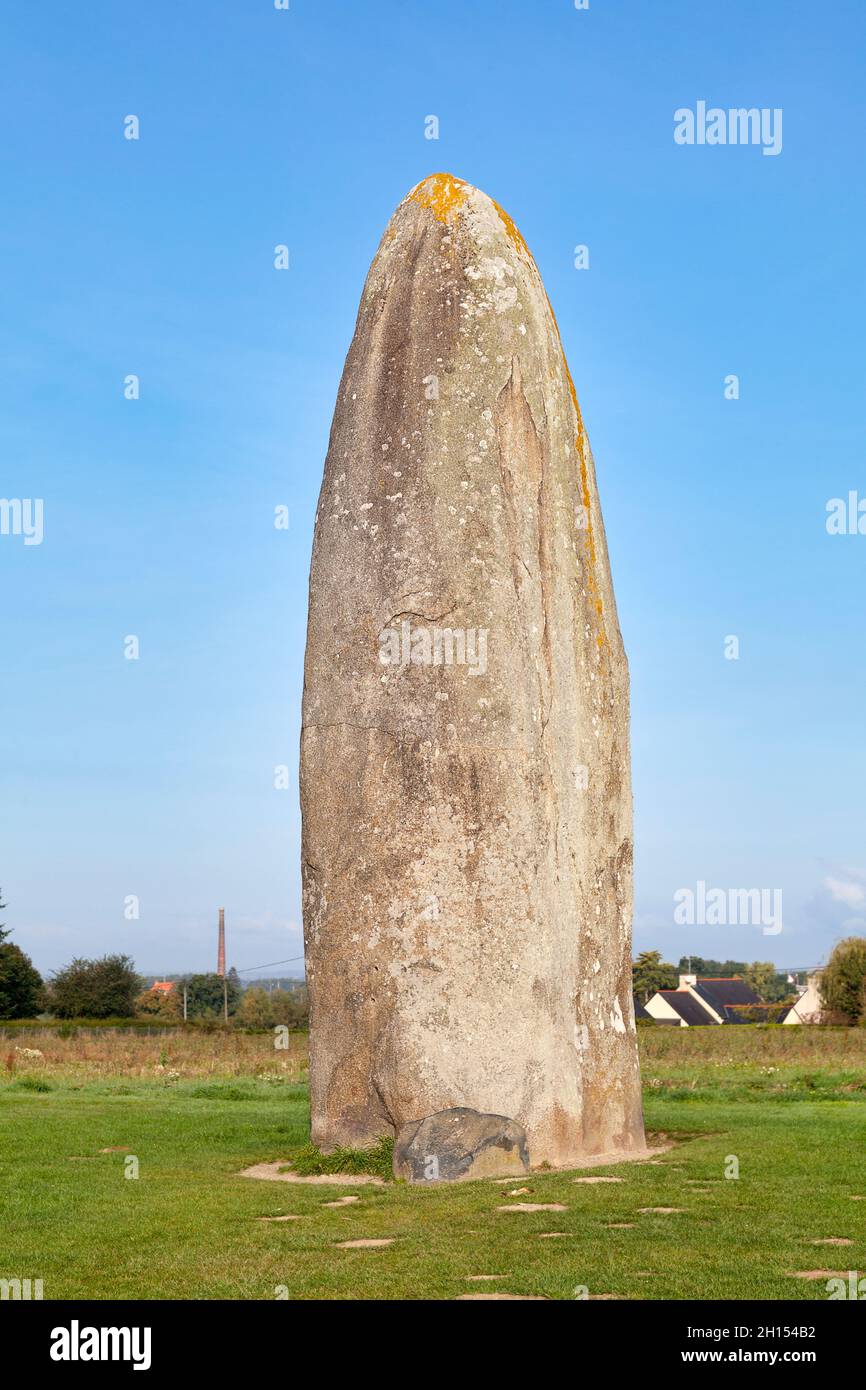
{"x": 256, "y": 1009}
{"x": 21, "y": 989}
{"x": 264, "y": 1008}
{"x": 206, "y": 994}
{"x": 843, "y": 980}
{"x": 291, "y": 1007}
{"x": 104, "y": 988}
{"x": 160, "y": 1004}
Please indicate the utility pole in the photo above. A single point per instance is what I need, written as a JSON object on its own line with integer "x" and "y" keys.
{"x": 184, "y": 1003}
{"x": 221, "y": 948}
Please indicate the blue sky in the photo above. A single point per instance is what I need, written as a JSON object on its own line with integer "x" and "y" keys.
{"x": 155, "y": 777}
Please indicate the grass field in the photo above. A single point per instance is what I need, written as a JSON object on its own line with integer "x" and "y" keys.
{"x": 788, "y": 1103}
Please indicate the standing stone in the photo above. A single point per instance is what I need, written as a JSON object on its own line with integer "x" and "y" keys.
{"x": 465, "y": 781}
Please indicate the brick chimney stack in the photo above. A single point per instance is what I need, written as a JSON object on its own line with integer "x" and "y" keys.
{"x": 221, "y": 951}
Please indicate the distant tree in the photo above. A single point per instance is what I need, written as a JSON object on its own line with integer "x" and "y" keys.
{"x": 104, "y": 988}
{"x": 256, "y": 1009}
{"x": 763, "y": 978}
{"x": 21, "y": 989}
{"x": 160, "y": 1004}
{"x": 843, "y": 979}
{"x": 651, "y": 973}
{"x": 204, "y": 994}
{"x": 291, "y": 1006}
{"x": 712, "y": 969}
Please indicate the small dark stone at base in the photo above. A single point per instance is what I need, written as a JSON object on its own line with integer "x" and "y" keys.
{"x": 459, "y": 1144}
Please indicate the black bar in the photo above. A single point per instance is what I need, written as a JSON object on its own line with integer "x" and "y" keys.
{"x": 263, "y": 1338}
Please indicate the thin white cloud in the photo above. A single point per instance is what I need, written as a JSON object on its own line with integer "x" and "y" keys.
{"x": 846, "y": 891}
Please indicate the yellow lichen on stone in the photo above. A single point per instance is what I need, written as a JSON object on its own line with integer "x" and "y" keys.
{"x": 512, "y": 231}
{"x": 442, "y": 194}
{"x": 580, "y": 447}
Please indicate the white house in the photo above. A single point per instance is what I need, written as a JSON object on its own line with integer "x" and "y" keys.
{"x": 807, "y": 1008}
{"x": 699, "y": 1001}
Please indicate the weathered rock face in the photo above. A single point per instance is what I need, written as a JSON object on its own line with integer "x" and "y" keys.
{"x": 465, "y": 779}
{"x": 459, "y": 1144}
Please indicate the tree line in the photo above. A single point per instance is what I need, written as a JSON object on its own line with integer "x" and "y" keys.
{"x": 110, "y": 987}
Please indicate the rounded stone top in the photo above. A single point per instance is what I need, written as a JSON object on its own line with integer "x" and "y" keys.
{"x": 443, "y": 194}
{"x": 452, "y": 200}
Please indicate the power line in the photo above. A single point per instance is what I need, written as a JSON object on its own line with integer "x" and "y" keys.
{"x": 250, "y": 968}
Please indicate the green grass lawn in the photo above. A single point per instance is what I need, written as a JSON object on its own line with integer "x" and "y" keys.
{"x": 187, "y": 1227}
